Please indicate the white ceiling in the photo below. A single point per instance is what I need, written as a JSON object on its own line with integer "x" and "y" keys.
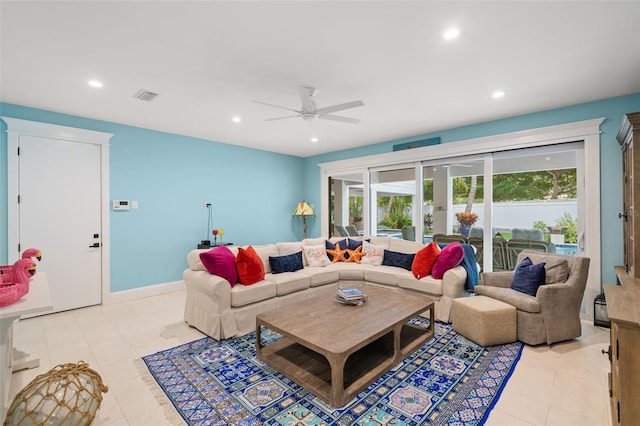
{"x": 209, "y": 59}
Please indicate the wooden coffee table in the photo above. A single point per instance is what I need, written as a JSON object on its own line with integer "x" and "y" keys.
{"x": 335, "y": 351}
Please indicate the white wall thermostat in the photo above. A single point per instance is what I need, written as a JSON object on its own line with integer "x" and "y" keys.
{"x": 121, "y": 204}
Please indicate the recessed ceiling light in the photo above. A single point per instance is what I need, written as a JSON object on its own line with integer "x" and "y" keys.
{"x": 95, "y": 83}
{"x": 451, "y": 33}
{"x": 497, "y": 94}
{"x": 547, "y": 158}
{"x": 236, "y": 119}
{"x": 314, "y": 139}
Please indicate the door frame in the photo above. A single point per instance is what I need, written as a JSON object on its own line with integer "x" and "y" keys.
{"x": 18, "y": 127}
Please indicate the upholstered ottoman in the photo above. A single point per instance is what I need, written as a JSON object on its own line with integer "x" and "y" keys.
{"x": 484, "y": 320}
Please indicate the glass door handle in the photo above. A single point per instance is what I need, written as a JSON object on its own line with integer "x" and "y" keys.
{"x": 94, "y": 245}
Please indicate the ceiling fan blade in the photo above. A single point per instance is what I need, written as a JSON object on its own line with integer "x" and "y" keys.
{"x": 280, "y": 118}
{"x": 277, "y": 106}
{"x": 339, "y": 107}
{"x": 305, "y": 98}
{"x": 339, "y": 118}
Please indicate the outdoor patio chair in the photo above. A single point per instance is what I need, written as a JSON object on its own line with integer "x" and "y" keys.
{"x": 446, "y": 239}
{"x": 352, "y": 231}
{"x": 527, "y": 234}
{"x": 341, "y": 231}
{"x": 409, "y": 233}
{"x": 515, "y": 246}
{"x": 499, "y": 252}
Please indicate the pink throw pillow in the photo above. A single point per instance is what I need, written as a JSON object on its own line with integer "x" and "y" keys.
{"x": 424, "y": 260}
{"x": 450, "y": 257}
{"x": 220, "y": 261}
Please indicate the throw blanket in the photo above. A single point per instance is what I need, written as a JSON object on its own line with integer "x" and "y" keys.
{"x": 468, "y": 263}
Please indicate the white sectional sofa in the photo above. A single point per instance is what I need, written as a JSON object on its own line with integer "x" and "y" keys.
{"x": 221, "y": 311}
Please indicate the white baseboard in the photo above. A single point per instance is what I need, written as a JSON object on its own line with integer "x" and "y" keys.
{"x": 142, "y": 292}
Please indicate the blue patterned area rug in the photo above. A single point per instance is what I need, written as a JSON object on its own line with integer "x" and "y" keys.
{"x": 448, "y": 381}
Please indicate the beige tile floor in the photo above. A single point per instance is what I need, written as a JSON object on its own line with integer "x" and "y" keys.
{"x": 564, "y": 384}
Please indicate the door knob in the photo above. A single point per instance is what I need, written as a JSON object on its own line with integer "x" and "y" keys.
{"x": 94, "y": 245}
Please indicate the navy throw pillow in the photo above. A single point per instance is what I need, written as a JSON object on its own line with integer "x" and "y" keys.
{"x": 288, "y": 263}
{"x": 401, "y": 260}
{"x": 331, "y": 246}
{"x": 353, "y": 244}
{"x": 528, "y": 277}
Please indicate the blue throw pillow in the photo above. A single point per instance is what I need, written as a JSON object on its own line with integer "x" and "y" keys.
{"x": 288, "y": 263}
{"x": 528, "y": 277}
{"x": 331, "y": 246}
{"x": 353, "y": 244}
{"x": 401, "y": 260}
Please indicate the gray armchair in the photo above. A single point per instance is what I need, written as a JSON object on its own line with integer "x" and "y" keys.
{"x": 553, "y": 314}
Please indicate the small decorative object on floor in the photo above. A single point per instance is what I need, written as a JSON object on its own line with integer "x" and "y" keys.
{"x": 351, "y": 296}
{"x": 68, "y": 394}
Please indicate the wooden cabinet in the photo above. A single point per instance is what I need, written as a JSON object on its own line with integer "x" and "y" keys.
{"x": 623, "y": 306}
{"x": 628, "y": 134}
{"x": 623, "y": 300}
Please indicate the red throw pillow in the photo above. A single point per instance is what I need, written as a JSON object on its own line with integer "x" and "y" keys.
{"x": 249, "y": 265}
{"x": 220, "y": 261}
{"x": 424, "y": 260}
{"x": 450, "y": 257}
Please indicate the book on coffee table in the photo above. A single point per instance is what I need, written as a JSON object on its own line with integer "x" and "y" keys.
{"x": 351, "y": 296}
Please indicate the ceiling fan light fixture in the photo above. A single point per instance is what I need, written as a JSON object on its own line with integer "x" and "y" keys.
{"x": 451, "y": 33}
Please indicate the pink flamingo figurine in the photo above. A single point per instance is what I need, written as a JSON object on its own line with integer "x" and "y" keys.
{"x": 7, "y": 270}
{"x": 11, "y": 292}
{"x": 32, "y": 252}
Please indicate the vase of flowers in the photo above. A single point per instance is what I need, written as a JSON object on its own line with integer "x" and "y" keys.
{"x": 465, "y": 222}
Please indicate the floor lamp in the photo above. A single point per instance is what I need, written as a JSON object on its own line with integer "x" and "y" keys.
{"x": 303, "y": 209}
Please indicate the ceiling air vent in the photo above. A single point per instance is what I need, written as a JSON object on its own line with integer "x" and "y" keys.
{"x": 145, "y": 95}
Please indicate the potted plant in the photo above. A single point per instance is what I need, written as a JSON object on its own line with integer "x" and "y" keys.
{"x": 466, "y": 221}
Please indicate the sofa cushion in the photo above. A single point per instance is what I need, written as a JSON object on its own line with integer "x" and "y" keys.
{"x": 555, "y": 270}
{"x": 389, "y": 275}
{"x": 450, "y": 257}
{"x": 249, "y": 266}
{"x": 315, "y": 255}
{"x": 401, "y": 260}
{"x": 242, "y": 295}
{"x": 221, "y": 262}
{"x": 329, "y": 245}
{"x": 289, "y": 282}
{"x": 348, "y": 271}
{"x": 321, "y": 275}
{"x": 404, "y": 246}
{"x": 427, "y": 285}
{"x": 522, "y": 302}
{"x": 373, "y": 253}
{"x": 528, "y": 276}
{"x": 264, "y": 252}
{"x": 290, "y": 248}
{"x": 425, "y": 259}
{"x": 287, "y": 263}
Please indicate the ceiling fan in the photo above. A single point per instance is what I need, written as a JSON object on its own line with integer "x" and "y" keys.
{"x": 309, "y": 110}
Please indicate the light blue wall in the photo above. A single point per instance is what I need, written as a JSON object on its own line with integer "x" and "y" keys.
{"x": 253, "y": 193}
{"x": 610, "y": 160}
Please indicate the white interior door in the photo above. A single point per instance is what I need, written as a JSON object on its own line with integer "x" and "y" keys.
{"x": 59, "y": 212}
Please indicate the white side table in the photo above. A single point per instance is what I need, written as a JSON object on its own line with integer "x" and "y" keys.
{"x": 11, "y": 359}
